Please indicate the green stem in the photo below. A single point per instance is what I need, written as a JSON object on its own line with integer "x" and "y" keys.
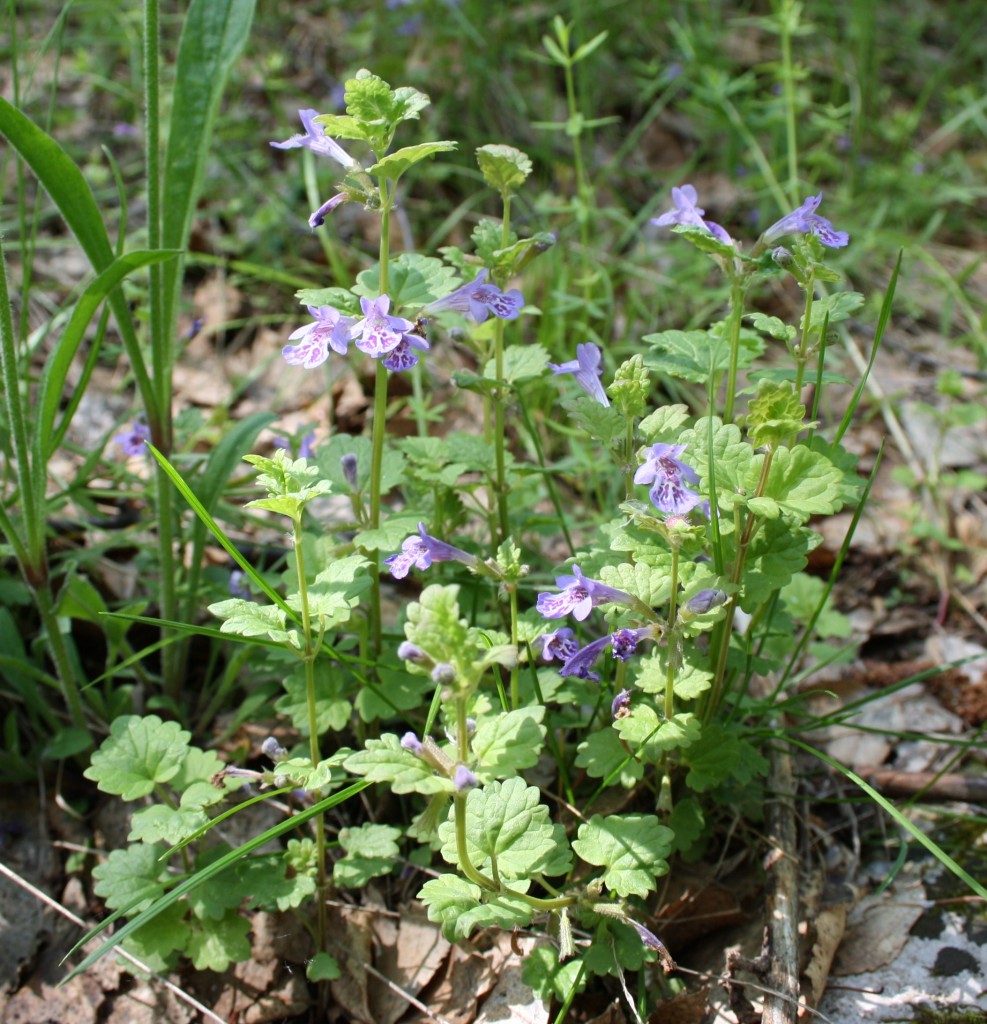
{"x": 60, "y": 655}
{"x": 672, "y": 652}
{"x": 499, "y": 395}
{"x": 733, "y": 327}
{"x": 582, "y": 185}
{"x": 310, "y": 652}
{"x": 515, "y": 681}
{"x": 787, "y": 18}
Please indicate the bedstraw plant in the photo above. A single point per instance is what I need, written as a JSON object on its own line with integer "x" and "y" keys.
{"x": 654, "y": 664}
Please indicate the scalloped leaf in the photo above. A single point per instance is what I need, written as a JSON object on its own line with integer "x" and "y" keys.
{"x": 631, "y": 848}
{"x": 395, "y": 164}
{"x": 504, "y": 168}
{"x": 385, "y": 760}
{"x": 139, "y": 754}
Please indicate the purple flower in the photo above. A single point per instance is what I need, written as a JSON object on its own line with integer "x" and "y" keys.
{"x": 132, "y": 440}
{"x": 560, "y": 643}
{"x": 620, "y": 706}
{"x": 409, "y": 741}
{"x": 330, "y": 329}
{"x": 478, "y": 300}
{"x": 579, "y": 595}
{"x": 422, "y": 551}
{"x": 378, "y": 333}
{"x": 317, "y": 217}
{"x": 463, "y": 779}
{"x": 623, "y": 642}
{"x": 805, "y": 220}
{"x": 405, "y": 356}
{"x": 670, "y": 480}
{"x": 239, "y": 586}
{"x": 306, "y": 447}
{"x": 410, "y": 652}
{"x": 686, "y": 212}
{"x": 587, "y": 370}
{"x": 317, "y": 141}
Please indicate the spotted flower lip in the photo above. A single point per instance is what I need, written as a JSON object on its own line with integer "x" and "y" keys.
{"x": 316, "y": 140}
{"x": 477, "y": 300}
{"x": 671, "y": 480}
{"x": 587, "y": 369}
{"x": 422, "y": 550}
{"x": 686, "y": 211}
{"x": 805, "y": 220}
{"x": 405, "y": 355}
{"x": 579, "y": 595}
{"x": 560, "y": 643}
{"x": 379, "y": 333}
{"x": 329, "y": 330}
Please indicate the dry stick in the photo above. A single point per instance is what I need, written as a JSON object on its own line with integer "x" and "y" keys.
{"x": 139, "y": 964}
{"x": 781, "y": 1005}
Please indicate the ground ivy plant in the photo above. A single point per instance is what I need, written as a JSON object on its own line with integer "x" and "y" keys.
{"x": 501, "y": 709}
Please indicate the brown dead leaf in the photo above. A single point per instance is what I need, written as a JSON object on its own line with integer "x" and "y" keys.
{"x": 409, "y": 952}
{"x": 465, "y": 978}
{"x": 352, "y": 932}
{"x": 877, "y": 929}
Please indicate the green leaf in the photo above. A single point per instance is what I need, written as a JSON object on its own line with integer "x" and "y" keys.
{"x": 836, "y": 307}
{"x": 774, "y": 555}
{"x": 389, "y": 535}
{"x": 713, "y": 759}
{"x": 687, "y": 822}
{"x": 697, "y": 355}
{"x": 521, "y": 362}
{"x": 212, "y": 900}
{"x": 395, "y": 164}
{"x": 601, "y": 422}
{"x": 214, "y": 33}
{"x": 616, "y": 948}
{"x": 369, "y": 98}
{"x": 649, "y": 736}
{"x": 705, "y": 241}
{"x": 269, "y": 887}
{"x": 630, "y": 847}
{"x": 323, "y": 967}
{"x": 246, "y": 619}
{"x": 803, "y": 482}
{"x": 455, "y": 903}
{"x": 385, "y": 760}
{"x": 139, "y": 754}
{"x": 604, "y": 757}
{"x": 169, "y": 824}
{"x": 328, "y": 458}
{"x": 395, "y": 692}
{"x": 131, "y": 878}
{"x": 371, "y": 850}
{"x": 342, "y": 126}
{"x": 158, "y": 942}
{"x": 332, "y": 709}
{"x": 653, "y": 585}
{"x": 507, "y": 743}
{"x": 771, "y": 326}
{"x": 504, "y": 168}
{"x": 731, "y": 456}
{"x": 413, "y": 281}
{"x": 549, "y": 977}
{"x": 663, "y": 424}
{"x": 507, "y": 830}
{"x": 775, "y": 415}
{"x": 214, "y": 946}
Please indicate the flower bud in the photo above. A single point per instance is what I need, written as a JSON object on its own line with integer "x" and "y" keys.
{"x": 463, "y": 779}
{"x": 410, "y": 652}
{"x": 348, "y": 464}
{"x": 272, "y": 749}
{"x": 409, "y": 741}
{"x": 443, "y": 674}
{"x": 620, "y": 707}
{"x": 705, "y": 601}
{"x": 783, "y": 257}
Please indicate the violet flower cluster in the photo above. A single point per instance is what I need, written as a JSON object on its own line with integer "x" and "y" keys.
{"x": 132, "y": 439}
{"x": 579, "y": 595}
{"x": 803, "y": 220}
